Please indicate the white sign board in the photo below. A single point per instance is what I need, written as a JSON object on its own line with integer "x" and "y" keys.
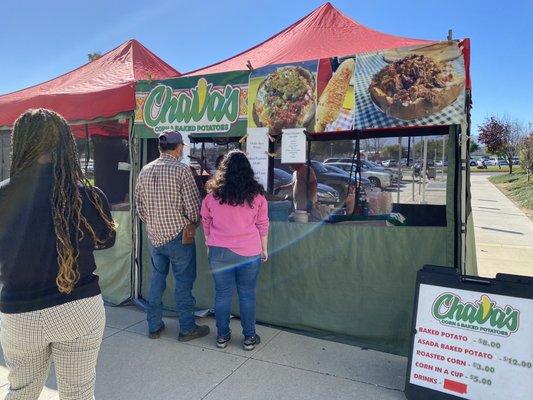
{"x": 257, "y": 152}
{"x": 293, "y": 146}
{"x": 473, "y": 345}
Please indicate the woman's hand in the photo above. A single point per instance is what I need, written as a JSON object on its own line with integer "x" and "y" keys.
{"x": 264, "y": 247}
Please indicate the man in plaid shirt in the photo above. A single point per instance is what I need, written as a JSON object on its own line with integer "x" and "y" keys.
{"x": 168, "y": 202}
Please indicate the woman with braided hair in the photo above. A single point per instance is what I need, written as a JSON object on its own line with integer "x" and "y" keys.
{"x": 51, "y": 221}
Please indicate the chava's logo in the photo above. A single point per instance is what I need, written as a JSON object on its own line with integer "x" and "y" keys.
{"x": 202, "y": 108}
{"x": 482, "y": 315}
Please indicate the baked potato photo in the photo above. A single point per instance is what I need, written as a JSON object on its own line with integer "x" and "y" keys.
{"x": 417, "y": 82}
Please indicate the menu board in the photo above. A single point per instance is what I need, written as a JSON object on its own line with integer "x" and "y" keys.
{"x": 257, "y": 152}
{"x": 473, "y": 344}
{"x": 293, "y": 146}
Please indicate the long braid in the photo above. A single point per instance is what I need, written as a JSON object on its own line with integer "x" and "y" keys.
{"x": 37, "y": 132}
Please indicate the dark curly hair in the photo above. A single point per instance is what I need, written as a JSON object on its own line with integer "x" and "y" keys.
{"x": 234, "y": 182}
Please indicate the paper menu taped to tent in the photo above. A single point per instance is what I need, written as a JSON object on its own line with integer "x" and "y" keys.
{"x": 293, "y": 146}
{"x": 473, "y": 345}
{"x": 257, "y": 152}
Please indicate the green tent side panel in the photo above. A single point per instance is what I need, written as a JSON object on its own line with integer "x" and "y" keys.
{"x": 114, "y": 264}
{"x": 348, "y": 283}
{"x": 471, "y": 258}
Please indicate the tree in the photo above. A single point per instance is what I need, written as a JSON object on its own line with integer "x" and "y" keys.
{"x": 474, "y": 146}
{"x": 501, "y": 137}
{"x": 434, "y": 150}
{"x": 341, "y": 148}
{"x": 94, "y": 56}
{"x": 391, "y": 152}
{"x": 526, "y": 153}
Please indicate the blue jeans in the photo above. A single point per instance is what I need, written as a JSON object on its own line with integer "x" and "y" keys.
{"x": 231, "y": 270}
{"x": 182, "y": 258}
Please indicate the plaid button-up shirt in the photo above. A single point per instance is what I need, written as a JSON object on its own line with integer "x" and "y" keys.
{"x": 167, "y": 199}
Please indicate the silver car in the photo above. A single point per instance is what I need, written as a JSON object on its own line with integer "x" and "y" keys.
{"x": 377, "y": 178}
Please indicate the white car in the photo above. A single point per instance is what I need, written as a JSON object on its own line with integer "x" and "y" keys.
{"x": 377, "y": 178}
{"x": 490, "y": 161}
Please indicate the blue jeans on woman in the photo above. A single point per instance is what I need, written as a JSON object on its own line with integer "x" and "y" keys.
{"x": 182, "y": 258}
{"x": 231, "y": 270}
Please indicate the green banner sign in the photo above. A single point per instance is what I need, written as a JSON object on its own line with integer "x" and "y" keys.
{"x": 209, "y": 105}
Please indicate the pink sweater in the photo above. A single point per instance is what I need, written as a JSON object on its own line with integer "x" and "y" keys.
{"x": 238, "y": 228}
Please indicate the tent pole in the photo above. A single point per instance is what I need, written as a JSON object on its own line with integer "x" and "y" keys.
{"x": 135, "y": 222}
{"x": 464, "y": 138}
{"x": 443, "y": 150}
{"x": 399, "y": 166}
{"x": 424, "y": 171}
{"x": 87, "y": 149}
{"x": 271, "y": 150}
{"x": 409, "y": 151}
{"x": 357, "y": 171}
{"x": 308, "y": 178}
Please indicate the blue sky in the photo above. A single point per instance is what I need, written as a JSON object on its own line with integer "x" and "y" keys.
{"x": 42, "y": 39}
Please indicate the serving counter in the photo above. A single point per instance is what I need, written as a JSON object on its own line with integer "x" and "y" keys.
{"x": 353, "y": 283}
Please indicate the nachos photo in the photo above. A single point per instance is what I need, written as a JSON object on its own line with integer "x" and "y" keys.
{"x": 283, "y": 96}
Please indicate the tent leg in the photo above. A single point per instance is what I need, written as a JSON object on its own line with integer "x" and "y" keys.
{"x": 464, "y": 138}
{"x": 135, "y": 223}
{"x": 399, "y": 166}
{"x": 424, "y": 170}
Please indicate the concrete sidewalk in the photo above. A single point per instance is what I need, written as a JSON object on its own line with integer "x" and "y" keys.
{"x": 504, "y": 234}
{"x": 284, "y": 366}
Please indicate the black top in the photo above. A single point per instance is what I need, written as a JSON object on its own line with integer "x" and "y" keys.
{"x": 28, "y": 254}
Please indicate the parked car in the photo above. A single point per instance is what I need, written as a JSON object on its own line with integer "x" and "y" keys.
{"x": 337, "y": 159}
{"x": 516, "y": 161}
{"x": 378, "y": 179}
{"x": 490, "y": 161}
{"x": 364, "y": 181}
{"x": 502, "y": 161}
{"x": 395, "y": 175}
{"x": 337, "y": 181}
{"x": 390, "y": 163}
{"x": 325, "y": 193}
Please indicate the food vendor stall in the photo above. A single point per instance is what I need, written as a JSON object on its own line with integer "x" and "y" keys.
{"x": 351, "y": 281}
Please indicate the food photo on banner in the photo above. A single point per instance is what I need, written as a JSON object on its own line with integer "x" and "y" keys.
{"x": 315, "y": 95}
{"x": 283, "y": 96}
{"x": 410, "y": 86}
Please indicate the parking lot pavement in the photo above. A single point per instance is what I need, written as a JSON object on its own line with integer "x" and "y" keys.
{"x": 284, "y": 366}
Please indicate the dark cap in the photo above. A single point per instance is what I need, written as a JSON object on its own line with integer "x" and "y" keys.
{"x": 171, "y": 137}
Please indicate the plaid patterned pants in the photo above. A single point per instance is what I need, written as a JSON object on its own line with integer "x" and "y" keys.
{"x": 70, "y": 334}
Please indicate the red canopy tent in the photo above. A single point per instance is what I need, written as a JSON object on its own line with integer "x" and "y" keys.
{"x": 102, "y": 88}
{"x": 324, "y": 33}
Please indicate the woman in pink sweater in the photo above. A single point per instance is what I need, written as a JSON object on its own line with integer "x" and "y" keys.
{"x": 235, "y": 222}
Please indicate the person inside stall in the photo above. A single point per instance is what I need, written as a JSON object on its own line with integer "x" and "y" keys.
{"x": 300, "y": 189}
{"x": 207, "y": 172}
